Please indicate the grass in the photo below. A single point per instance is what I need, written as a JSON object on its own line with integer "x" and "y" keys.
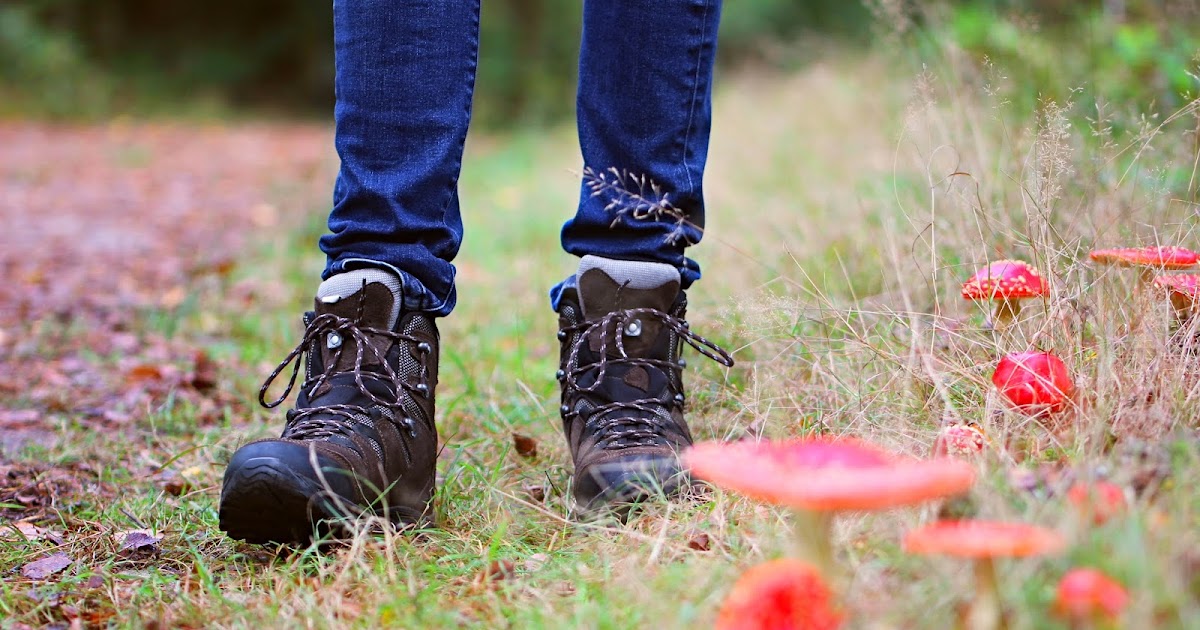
{"x": 848, "y": 201}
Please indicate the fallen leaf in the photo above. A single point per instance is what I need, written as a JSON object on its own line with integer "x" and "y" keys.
{"x": 138, "y": 544}
{"x": 535, "y": 492}
{"x": 535, "y": 562}
{"x": 45, "y": 567}
{"x": 204, "y": 371}
{"x": 28, "y": 530}
{"x": 698, "y": 541}
{"x": 144, "y": 372}
{"x": 525, "y": 445}
{"x": 18, "y": 417}
{"x": 498, "y": 570}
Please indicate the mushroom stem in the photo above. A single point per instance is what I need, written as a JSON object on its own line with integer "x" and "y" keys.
{"x": 984, "y": 612}
{"x": 814, "y": 529}
{"x": 1005, "y": 314}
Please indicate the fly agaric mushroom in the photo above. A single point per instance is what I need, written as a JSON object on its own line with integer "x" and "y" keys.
{"x": 1148, "y": 258}
{"x": 1088, "y": 596}
{"x": 1184, "y": 291}
{"x": 1099, "y": 501}
{"x": 1005, "y": 282}
{"x": 1035, "y": 383}
{"x": 959, "y": 440}
{"x": 783, "y": 593}
{"x": 983, "y": 541}
{"x": 821, "y": 476}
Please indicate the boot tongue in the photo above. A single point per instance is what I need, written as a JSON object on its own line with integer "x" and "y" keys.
{"x": 380, "y": 304}
{"x": 607, "y": 285}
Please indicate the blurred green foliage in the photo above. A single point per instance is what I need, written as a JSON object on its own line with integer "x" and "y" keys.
{"x": 91, "y": 59}
{"x": 84, "y": 58}
{"x": 1149, "y": 54}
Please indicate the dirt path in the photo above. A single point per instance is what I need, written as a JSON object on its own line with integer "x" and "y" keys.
{"x": 102, "y": 223}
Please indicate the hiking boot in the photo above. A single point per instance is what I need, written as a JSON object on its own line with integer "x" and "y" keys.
{"x": 621, "y": 330}
{"x": 361, "y": 439}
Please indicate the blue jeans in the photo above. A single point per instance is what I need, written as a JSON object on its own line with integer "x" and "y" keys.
{"x": 405, "y": 76}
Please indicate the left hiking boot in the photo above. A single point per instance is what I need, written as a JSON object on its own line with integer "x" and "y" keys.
{"x": 621, "y": 329}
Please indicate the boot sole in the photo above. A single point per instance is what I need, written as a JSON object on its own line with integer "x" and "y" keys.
{"x": 264, "y": 502}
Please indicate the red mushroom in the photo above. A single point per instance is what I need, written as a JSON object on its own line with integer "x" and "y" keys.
{"x": 1005, "y": 282}
{"x": 1157, "y": 257}
{"x": 780, "y": 594}
{"x": 959, "y": 440}
{"x": 821, "y": 476}
{"x": 1099, "y": 501}
{"x": 1035, "y": 383}
{"x": 1088, "y": 596}
{"x": 983, "y": 541}
{"x": 1184, "y": 292}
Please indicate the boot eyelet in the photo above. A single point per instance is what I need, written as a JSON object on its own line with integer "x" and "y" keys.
{"x": 424, "y": 348}
{"x": 422, "y": 389}
{"x": 333, "y": 341}
{"x": 562, "y": 335}
{"x": 679, "y": 398}
{"x": 411, "y": 425}
{"x": 560, "y": 375}
{"x": 564, "y": 410}
{"x": 682, "y": 363}
{"x": 634, "y": 328}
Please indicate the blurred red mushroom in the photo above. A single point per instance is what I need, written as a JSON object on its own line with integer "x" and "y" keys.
{"x": 1099, "y": 501}
{"x": 1089, "y": 597}
{"x": 983, "y": 542}
{"x": 1005, "y": 282}
{"x": 1154, "y": 257}
{"x": 1035, "y": 383}
{"x": 1184, "y": 292}
{"x": 959, "y": 440}
{"x": 822, "y": 476}
{"x": 777, "y": 595}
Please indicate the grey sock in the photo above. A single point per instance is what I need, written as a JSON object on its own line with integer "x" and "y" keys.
{"x": 350, "y": 282}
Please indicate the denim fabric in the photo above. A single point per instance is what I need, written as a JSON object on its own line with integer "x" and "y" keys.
{"x": 405, "y": 74}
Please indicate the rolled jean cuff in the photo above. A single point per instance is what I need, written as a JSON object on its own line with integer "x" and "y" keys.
{"x": 415, "y": 298}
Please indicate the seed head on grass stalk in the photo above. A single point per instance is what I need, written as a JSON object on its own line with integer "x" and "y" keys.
{"x": 638, "y": 198}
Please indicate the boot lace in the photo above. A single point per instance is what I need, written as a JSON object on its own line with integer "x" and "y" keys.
{"x": 328, "y": 420}
{"x": 620, "y": 430}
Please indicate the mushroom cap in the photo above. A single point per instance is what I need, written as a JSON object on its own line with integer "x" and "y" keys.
{"x": 1163, "y": 257}
{"x": 959, "y": 440}
{"x": 783, "y": 593}
{"x": 1102, "y": 499}
{"x": 983, "y": 539}
{"x": 1089, "y": 595}
{"x": 1035, "y": 383}
{"x": 1184, "y": 284}
{"x": 1005, "y": 280}
{"x": 827, "y": 474}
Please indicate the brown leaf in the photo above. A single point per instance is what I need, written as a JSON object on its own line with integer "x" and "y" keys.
{"x": 144, "y": 372}
{"x": 47, "y": 566}
{"x": 11, "y": 418}
{"x": 524, "y": 445}
{"x": 28, "y": 530}
{"x": 498, "y": 570}
{"x": 138, "y": 544}
{"x": 698, "y": 541}
{"x": 204, "y": 371}
{"x": 535, "y": 492}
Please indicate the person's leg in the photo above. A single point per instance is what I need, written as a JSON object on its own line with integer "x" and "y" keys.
{"x": 405, "y": 76}
{"x": 644, "y": 108}
{"x": 362, "y": 438}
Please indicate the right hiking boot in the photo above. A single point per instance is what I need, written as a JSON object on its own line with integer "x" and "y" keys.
{"x": 622, "y": 327}
{"x": 361, "y": 439}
